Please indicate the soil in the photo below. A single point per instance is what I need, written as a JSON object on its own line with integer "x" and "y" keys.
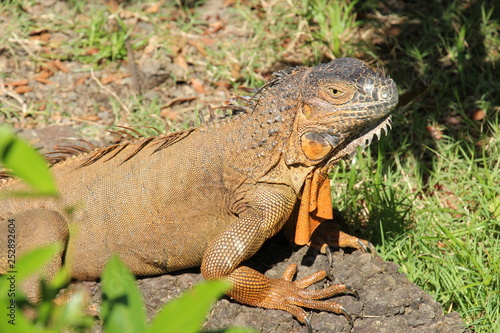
{"x": 388, "y": 301}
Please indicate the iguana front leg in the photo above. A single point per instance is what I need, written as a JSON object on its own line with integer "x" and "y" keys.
{"x": 26, "y": 231}
{"x": 265, "y": 217}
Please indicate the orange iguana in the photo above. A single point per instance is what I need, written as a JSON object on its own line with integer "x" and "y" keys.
{"x": 210, "y": 196}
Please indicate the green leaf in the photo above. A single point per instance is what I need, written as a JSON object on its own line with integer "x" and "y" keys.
{"x": 25, "y": 163}
{"x": 238, "y": 330}
{"x": 122, "y": 307}
{"x": 187, "y": 313}
{"x": 28, "y": 264}
{"x": 68, "y": 317}
{"x": 32, "y": 261}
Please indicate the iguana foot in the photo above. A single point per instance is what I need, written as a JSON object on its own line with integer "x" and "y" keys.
{"x": 291, "y": 296}
{"x": 328, "y": 234}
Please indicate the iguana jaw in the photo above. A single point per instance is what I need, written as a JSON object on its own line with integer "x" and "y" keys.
{"x": 364, "y": 139}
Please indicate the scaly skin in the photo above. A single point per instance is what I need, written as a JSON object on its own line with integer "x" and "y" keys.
{"x": 210, "y": 196}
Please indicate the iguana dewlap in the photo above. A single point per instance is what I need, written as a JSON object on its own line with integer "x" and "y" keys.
{"x": 210, "y": 196}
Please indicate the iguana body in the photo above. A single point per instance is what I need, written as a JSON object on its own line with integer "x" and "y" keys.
{"x": 210, "y": 196}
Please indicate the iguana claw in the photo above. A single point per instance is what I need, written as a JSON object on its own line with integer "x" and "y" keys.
{"x": 364, "y": 246}
{"x": 328, "y": 234}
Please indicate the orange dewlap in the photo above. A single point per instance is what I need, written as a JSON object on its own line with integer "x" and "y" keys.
{"x": 315, "y": 206}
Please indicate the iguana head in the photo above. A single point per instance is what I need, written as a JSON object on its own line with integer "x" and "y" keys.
{"x": 342, "y": 105}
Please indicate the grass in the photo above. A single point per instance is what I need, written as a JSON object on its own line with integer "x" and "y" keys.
{"x": 444, "y": 232}
{"x": 427, "y": 195}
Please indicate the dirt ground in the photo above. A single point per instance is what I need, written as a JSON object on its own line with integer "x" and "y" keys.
{"x": 388, "y": 302}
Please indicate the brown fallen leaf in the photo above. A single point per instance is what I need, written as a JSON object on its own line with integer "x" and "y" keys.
{"x": 169, "y": 114}
{"x": 120, "y": 77}
{"x": 178, "y": 100}
{"x": 109, "y": 78}
{"x": 44, "y": 81}
{"x": 44, "y": 74}
{"x": 478, "y": 114}
{"x": 115, "y": 77}
{"x": 181, "y": 61}
{"x": 223, "y": 84}
{"x": 92, "y": 51}
{"x": 81, "y": 80}
{"x": 22, "y": 89}
{"x": 44, "y": 37}
{"x": 89, "y": 118}
{"x": 37, "y": 31}
{"x": 200, "y": 47}
{"x": 435, "y": 132}
{"x": 207, "y": 41}
{"x": 198, "y": 86}
{"x": 16, "y": 83}
{"x": 60, "y": 65}
{"x": 236, "y": 70}
{"x": 214, "y": 27}
{"x": 152, "y": 8}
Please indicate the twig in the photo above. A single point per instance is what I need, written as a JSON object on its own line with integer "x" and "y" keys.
{"x": 132, "y": 67}
{"x": 11, "y": 93}
{"x": 22, "y": 43}
{"x": 110, "y": 92}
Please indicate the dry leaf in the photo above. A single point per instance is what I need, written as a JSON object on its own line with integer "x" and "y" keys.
{"x": 44, "y": 81}
{"x": 478, "y": 115}
{"x": 44, "y": 37}
{"x": 181, "y": 61}
{"x": 169, "y": 114}
{"x": 152, "y": 9}
{"x": 60, "y": 66}
{"x": 207, "y": 41}
{"x": 22, "y": 89}
{"x": 109, "y": 78}
{"x": 197, "y": 86}
{"x": 16, "y": 83}
{"x": 214, "y": 27}
{"x": 435, "y": 132}
{"x": 223, "y": 84}
{"x": 179, "y": 100}
{"x": 113, "y": 5}
{"x": 43, "y": 75}
{"x": 235, "y": 70}
{"x": 120, "y": 77}
{"x": 38, "y": 31}
{"x": 92, "y": 51}
{"x": 89, "y": 118}
{"x": 454, "y": 120}
{"x": 199, "y": 47}
{"x": 81, "y": 80}
{"x": 152, "y": 45}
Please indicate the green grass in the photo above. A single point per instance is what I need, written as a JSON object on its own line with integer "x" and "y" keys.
{"x": 444, "y": 231}
{"x": 429, "y": 201}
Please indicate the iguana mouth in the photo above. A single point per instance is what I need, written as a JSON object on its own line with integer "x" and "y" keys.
{"x": 364, "y": 138}
{"x": 376, "y": 132}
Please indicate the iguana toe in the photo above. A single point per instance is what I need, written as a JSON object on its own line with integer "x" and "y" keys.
{"x": 292, "y": 296}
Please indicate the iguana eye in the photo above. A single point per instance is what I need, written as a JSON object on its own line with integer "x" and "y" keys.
{"x": 336, "y": 92}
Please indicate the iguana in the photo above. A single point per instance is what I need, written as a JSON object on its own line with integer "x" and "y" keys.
{"x": 210, "y": 196}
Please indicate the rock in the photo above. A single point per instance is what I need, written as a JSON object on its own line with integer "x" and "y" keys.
{"x": 388, "y": 301}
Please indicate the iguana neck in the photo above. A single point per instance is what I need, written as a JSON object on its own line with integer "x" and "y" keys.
{"x": 258, "y": 139}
